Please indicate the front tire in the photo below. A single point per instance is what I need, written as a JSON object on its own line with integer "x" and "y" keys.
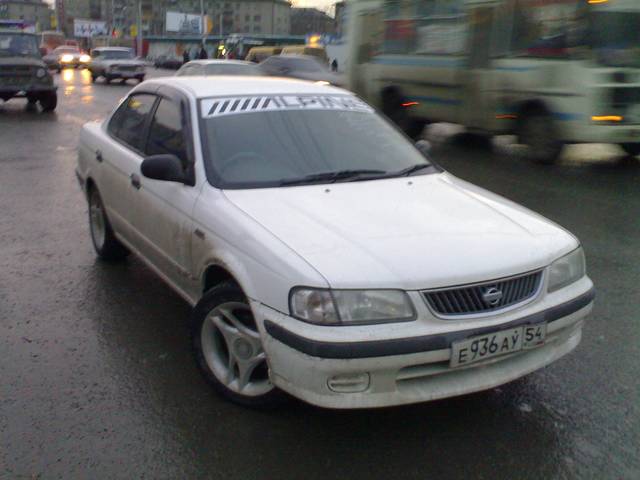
{"x": 228, "y": 348}
{"x": 49, "y": 102}
{"x": 632, "y": 149}
{"x": 105, "y": 243}
{"x": 537, "y": 131}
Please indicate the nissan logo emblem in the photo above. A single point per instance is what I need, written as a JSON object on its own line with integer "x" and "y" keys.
{"x": 492, "y": 296}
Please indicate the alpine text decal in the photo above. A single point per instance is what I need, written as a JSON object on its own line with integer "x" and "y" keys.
{"x": 216, "y": 107}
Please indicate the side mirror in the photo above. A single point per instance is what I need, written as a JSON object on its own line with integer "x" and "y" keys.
{"x": 164, "y": 167}
{"x": 425, "y": 147}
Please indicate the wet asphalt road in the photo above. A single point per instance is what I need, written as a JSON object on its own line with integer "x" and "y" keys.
{"x": 97, "y": 380}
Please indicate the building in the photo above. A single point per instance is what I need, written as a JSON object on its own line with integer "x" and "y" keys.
{"x": 69, "y": 10}
{"x": 237, "y": 16}
{"x": 310, "y": 20}
{"x": 36, "y": 12}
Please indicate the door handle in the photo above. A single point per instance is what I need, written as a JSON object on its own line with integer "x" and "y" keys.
{"x": 99, "y": 155}
{"x": 135, "y": 181}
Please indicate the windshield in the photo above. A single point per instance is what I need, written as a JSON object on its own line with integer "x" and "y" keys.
{"x": 263, "y": 149}
{"x": 615, "y": 38}
{"x": 116, "y": 55}
{"x": 222, "y": 69}
{"x": 18, "y": 45}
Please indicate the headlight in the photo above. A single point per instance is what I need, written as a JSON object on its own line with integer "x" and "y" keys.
{"x": 41, "y": 72}
{"x": 349, "y": 307}
{"x": 85, "y": 58}
{"x": 67, "y": 58}
{"x": 567, "y": 270}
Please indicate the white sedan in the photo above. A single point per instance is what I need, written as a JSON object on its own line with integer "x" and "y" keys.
{"x": 324, "y": 254}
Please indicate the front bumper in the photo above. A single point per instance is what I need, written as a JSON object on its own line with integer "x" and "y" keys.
{"x": 604, "y": 133}
{"x": 125, "y": 74}
{"x": 409, "y": 369}
{"x": 23, "y": 91}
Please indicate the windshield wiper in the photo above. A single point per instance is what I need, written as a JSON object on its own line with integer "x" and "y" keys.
{"x": 412, "y": 169}
{"x": 331, "y": 176}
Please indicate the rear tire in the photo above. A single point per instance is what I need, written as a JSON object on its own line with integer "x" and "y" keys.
{"x": 537, "y": 131}
{"x": 632, "y": 149}
{"x": 228, "y": 349}
{"x": 140, "y": 78}
{"x": 49, "y": 102}
{"x": 392, "y": 107}
{"x": 105, "y": 243}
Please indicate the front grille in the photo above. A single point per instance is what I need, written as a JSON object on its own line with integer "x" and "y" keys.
{"x": 16, "y": 71}
{"x": 126, "y": 68}
{"x": 485, "y": 297}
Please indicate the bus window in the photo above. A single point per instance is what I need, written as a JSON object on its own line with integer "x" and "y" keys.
{"x": 425, "y": 27}
{"x": 550, "y": 29}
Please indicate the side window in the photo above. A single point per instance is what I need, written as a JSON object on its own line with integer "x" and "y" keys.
{"x": 166, "y": 134}
{"x": 127, "y": 124}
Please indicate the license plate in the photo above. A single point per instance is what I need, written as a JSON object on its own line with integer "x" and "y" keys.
{"x": 482, "y": 347}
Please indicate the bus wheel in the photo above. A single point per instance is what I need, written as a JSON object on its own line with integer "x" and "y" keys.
{"x": 393, "y": 108}
{"x": 632, "y": 149}
{"x": 538, "y": 133}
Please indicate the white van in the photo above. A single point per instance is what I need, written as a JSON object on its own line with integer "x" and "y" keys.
{"x": 552, "y": 72}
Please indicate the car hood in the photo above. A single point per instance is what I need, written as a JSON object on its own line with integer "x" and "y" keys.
{"x": 413, "y": 233}
{"x": 21, "y": 61}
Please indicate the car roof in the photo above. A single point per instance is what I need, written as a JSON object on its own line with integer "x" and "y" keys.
{"x": 223, "y": 85}
{"x": 219, "y": 62}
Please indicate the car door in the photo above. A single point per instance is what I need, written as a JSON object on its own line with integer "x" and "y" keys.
{"x": 163, "y": 213}
{"x": 120, "y": 157}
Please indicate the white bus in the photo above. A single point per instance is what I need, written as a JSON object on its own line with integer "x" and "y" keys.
{"x": 552, "y": 72}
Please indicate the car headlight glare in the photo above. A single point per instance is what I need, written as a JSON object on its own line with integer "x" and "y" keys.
{"x": 67, "y": 58}
{"x": 41, "y": 72}
{"x": 567, "y": 270}
{"x": 350, "y": 307}
{"x": 85, "y": 58}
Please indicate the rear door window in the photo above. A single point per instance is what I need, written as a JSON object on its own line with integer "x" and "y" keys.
{"x": 129, "y": 121}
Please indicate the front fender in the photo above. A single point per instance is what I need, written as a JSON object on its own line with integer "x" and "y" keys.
{"x": 264, "y": 266}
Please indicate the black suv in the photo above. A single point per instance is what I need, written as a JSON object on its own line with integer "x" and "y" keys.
{"x": 22, "y": 71}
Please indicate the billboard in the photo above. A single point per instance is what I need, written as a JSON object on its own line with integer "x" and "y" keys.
{"x": 183, "y": 23}
{"x": 89, "y": 28}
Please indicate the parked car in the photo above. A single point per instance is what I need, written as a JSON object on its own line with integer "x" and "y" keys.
{"x": 323, "y": 253}
{"x": 66, "y": 56}
{"x": 171, "y": 63}
{"x": 218, "y": 67}
{"x": 259, "y": 54}
{"x": 305, "y": 67}
{"x": 115, "y": 63}
{"x": 22, "y": 71}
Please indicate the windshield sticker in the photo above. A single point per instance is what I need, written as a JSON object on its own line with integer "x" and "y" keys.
{"x": 216, "y": 107}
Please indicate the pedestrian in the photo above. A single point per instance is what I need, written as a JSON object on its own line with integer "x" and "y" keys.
{"x": 185, "y": 56}
{"x": 334, "y": 65}
{"x": 203, "y": 54}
